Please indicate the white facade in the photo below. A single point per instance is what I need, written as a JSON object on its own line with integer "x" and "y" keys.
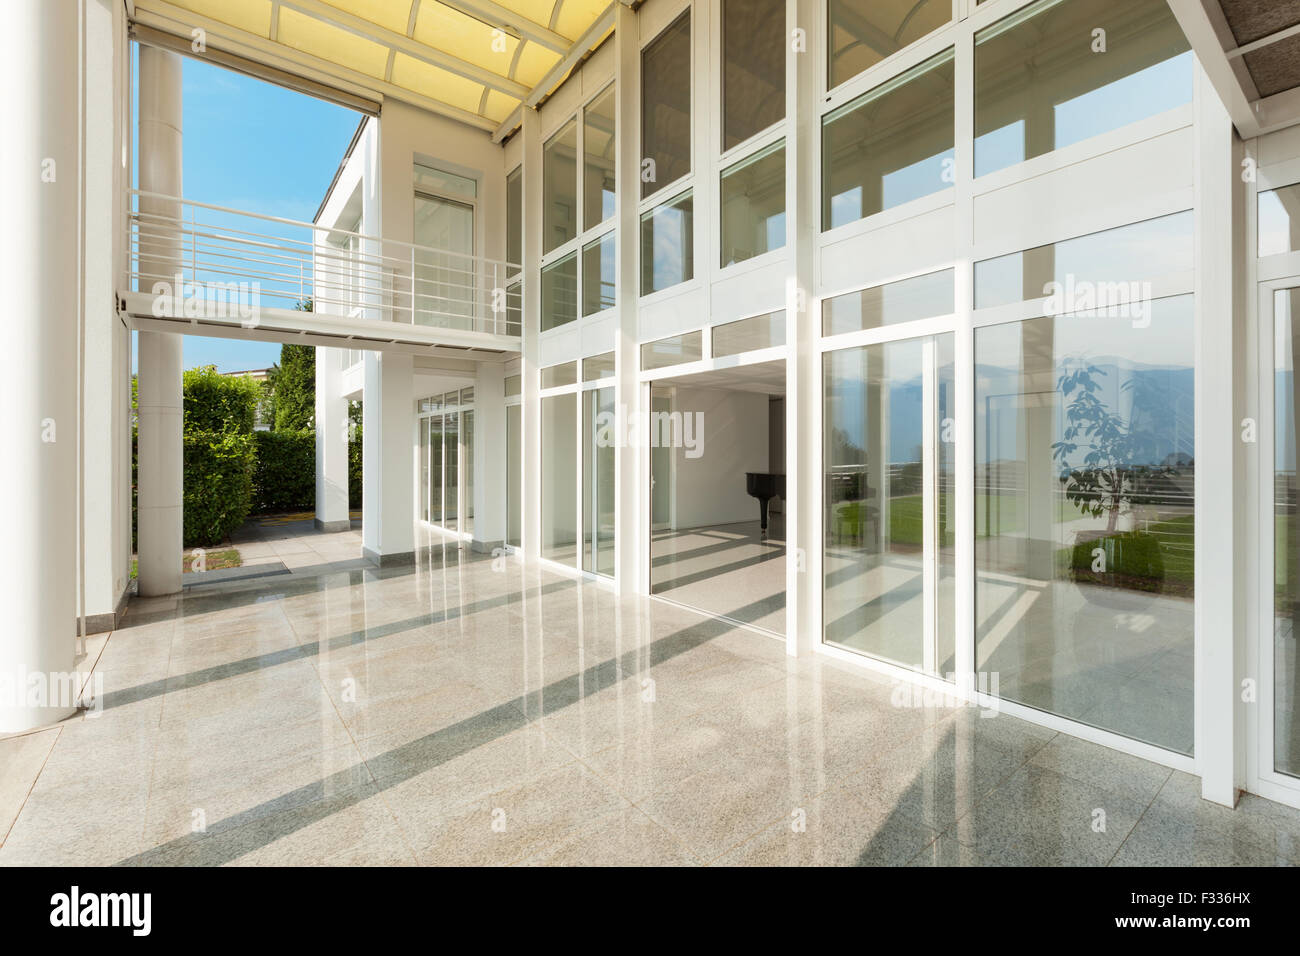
{"x": 1210, "y": 708}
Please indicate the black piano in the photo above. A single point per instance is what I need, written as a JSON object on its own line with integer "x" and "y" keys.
{"x": 764, "y": 487}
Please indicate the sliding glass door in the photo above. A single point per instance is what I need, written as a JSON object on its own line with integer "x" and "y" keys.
{"x": 888, "y": 550}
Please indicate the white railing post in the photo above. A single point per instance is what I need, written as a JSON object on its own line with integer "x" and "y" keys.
{"x": 496, "y": 284}
{"x": 194, "y": 253}
{"x": 412, "y": 286}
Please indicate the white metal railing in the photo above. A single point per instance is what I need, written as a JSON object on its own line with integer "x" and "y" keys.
{"x": 222, "y": 254}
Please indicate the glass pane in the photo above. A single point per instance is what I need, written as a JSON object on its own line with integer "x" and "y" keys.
{"x": 560, "y": 187}
{"x": 757, "y": 332}
{"x": 891, "y": 145}
{"x": 514, "y": 310}
{"x": 1279, "y": 220}
{"x": 598, "y": 367}
{"x": 753, "y": 205}
{"x": 451, "y": 470}
{"x": 672, "y": 351}
{"x": 1084, "y": 478}
{"x": 1110, "y": 265}
{"x": 513, "y": 385}
{"x": 598, "y": 275}
{"x": 515, "y": 217}
{"x": 444, "y": 271}
{"x": 429, "y": 179}
{"x": 598, "y": 160}
{"x": 753, "y": 68}
{"x": 435, "y": 469}
{"x": 467, "y": 510}
{"x": 668, "y": 245}
{"x": 666, "y": 107}
{"x": 559, "y": 478}
{"x": 560, "y": 292}
{"x": 921, "y": 297}
{"x": 598, "y": 481}
{"x": 864, "y": 32}
{"x": 424, "y": 469}
{"x": 874, "y": 599}
{"x": 1286, "y": 540}
{"x": 514, "y": 475}
{"x": 553, "y": 376}
{"x": 1043, "y": 82}
{"x": 945, "y": 611}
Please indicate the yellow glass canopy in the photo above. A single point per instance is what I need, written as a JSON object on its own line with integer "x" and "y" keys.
{"x": 474, "y": 60}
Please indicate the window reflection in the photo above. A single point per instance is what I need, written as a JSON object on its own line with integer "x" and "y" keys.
{"x": 1084, "y": 479}
{"x": 560, "y": 292}
{"x": 921, "y": 297}
{"x": 864, "y": 32}
{"x": 668, "y": 245}
{"x": 753, "y": 205}
{"x": 559, "y": 476}
{"x": 598, "y": 481}
{"x": 1286, "y": 540}
{"x": 598, "y": 152}
{"x": 1279, "y": 220}
{"x": 1093, "y": 264}
{"x": 666, "y": 106}
{"x": 1045, "y": 79}
{"x": 560, "y": 187}
{"x": 890, "y": 146}
{"x": 753, "y": 68}
{"x": 598, "y": 275}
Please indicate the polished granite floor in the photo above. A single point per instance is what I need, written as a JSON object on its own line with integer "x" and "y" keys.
{"x": 471, "y": 710}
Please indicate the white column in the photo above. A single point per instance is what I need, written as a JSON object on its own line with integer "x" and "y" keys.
{"x": 159, "y": 399}
{"x": 106, "y": 469}
{"x": 803, "y": 406}
{"x": 531, "y": 412}
{"x": 489, "y": 457}
{"x": 41, "y": 165}
{"x": 631, "y": 501}
{"x": 1219, "y": 538}
{"x": 331, "y": 442}
{"x": 387, "y": 454}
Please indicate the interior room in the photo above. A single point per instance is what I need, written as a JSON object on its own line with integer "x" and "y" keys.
{"x": 714, "y": 437}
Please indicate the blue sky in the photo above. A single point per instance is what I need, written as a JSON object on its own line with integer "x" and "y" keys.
{"x": 258, "y": 147}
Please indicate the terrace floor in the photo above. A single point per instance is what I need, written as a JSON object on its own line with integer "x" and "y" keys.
{"x": 470, "y": 710}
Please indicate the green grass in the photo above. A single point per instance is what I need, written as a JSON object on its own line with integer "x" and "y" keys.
{"x": 216, "y": 560}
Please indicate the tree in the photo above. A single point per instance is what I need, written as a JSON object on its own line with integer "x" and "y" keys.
{"x": 293, "y": 382}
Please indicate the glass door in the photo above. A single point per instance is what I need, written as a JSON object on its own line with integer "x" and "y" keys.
{"x": 435, "y": 469}
{"x": 889, "y": 551}
{"x": 1279, "y": 663}
{"x": 451, "y": 470}
{"x": 598, "y": 482}
{"x": 445, "y": 284}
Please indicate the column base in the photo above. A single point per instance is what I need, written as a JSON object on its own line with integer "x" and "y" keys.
{"x": 396, "y": 560}
{"x": 332, "y": 527}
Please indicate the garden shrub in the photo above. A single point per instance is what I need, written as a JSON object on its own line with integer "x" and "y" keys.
{"x": 285, "y": 479}
{"x": 218, "y": 484}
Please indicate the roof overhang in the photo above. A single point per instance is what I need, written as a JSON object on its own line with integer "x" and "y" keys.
{"x": 477, "y": 61}
{"x": 1251, "y": 53}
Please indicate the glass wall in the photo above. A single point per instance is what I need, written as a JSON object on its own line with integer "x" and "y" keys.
{"x": 753, "y": 205}
{"x": 888, "y": 502}
{"x": 668, "y": 244}
{"x": 753, "y": 68}
{"x": 666, "y": 107}
{"x": 921, "y": 297}
{"x": 1286, "y": 539}
{"x": 515, "y": 217}
{"x": 674, "y": 350}
{"x": 1279, "y": 220}
{"x": 598, "y": 267}
{"x": 598, "y": 160}
{"x": 1113, "y": 264}
{"x": 863, "y": 32}
{"x": 560, "y": 292}
{"x": 559, "y": 478}
{"x": 745, "y": 335}
{"x": 444, "y": 277}
{"x": 560, "y": 187}
{"x": 889, "y": 146}
{"x": 514, "y": 476}
{"x": 434, "y": 489}
{"x": 1044, "y": 78}
{"x": 446, "y": 446}
{"x": 467, "y": 442}
{"x": 1084, "y": 480}
{"x": 598, "y": 480}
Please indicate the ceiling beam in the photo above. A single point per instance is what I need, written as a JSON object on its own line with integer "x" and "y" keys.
{"x": 599, "y": 27}
{"x": 1204, "y": 39}
{"x": 495, "y": 15}
{"x": 363, "y": 28}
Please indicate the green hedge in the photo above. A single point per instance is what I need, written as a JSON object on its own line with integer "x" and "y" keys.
{"x": 285, "y": 479}
{"x": 1133, "y": 561}
{"x": 216, "y": 402}
{"x": 354, "y": 469}
{"x": 218, "y": 484}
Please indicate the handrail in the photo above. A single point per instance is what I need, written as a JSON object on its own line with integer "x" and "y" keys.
{"x": 365, "y": 275}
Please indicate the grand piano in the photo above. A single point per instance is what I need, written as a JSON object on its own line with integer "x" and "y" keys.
{"x": 764, "y": 487}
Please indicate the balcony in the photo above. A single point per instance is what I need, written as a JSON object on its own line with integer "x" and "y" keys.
{"x": 236, "y": 274}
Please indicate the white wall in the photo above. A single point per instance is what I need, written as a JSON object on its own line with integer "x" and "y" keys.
{"x": 710, "y": 489}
